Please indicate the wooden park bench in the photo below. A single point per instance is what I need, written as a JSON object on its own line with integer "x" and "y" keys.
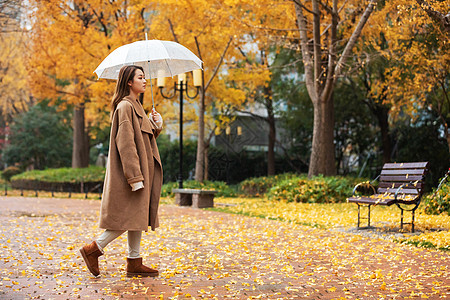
{"x": 399, "y": 183}
{"x": 194, "y": 197}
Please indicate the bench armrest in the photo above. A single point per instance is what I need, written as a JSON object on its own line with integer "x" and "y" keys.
{"x": 363, "y": 183}
{"x": 400, "y": 187}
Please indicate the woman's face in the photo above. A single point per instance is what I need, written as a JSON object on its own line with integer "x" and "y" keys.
{"x": 137, "y": 85}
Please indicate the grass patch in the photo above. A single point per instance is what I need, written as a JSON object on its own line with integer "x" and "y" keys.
{"x": 435, "y": 228}
{"x": 47, "y": 194}
{"x": 423, "y": 244}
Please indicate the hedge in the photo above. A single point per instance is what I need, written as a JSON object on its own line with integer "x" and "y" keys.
{"x": 223, "y": 190}
{"x": 61, "y": 180}
{"x": 318, "y": 189}
{"x": 257, "y": 186}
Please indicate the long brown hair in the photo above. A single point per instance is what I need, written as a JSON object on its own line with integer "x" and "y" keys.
{"x": 126, "y": 75}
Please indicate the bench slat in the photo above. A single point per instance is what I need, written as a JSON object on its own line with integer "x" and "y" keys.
{"x": 392, "y": 178}
{"x": 402, "y": 191}
{"x": 193, "y": 191}
{"x": 414, "y": 165}
{"x": 367, "y": 200}
{"x": 396, "y": 184}
{"x": 382, "y": 200}
{"x": 403, "y": 172}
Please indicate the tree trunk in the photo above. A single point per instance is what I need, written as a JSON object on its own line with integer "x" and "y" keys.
{"x": 320, "y": 80}
{"x": 447, "y": 135}
{"x": 272, "y": 133}
{"x": 201, "y": 166}
{"x": 80, "y": 152}
{"x": 271, "y": 150}
{"x": 382, "y": 114}
{"x": 448, "y": 140}
{"x": 200, "y": 158}
{"x": 206, "y": 169}
{"x": 322, "y": 159}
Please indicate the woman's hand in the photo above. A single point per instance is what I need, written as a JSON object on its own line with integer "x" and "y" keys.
{"x": 156, "y": 118}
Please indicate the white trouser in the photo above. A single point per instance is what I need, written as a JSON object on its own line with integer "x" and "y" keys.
{"x": 134, "y": 241}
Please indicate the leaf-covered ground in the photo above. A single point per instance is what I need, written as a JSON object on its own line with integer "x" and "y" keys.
{"x": 206, "y": 254}
{"x": 430, "y": 230}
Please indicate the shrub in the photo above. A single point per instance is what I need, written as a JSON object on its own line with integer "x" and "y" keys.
{"x": 10, "y": 172}
{"x": 257, "y": 186}
{"x": 437, "y": 203}
{"x": 93, "y": 173}
{"x": 318, "y": 189}
{"x": 223, "y": 190}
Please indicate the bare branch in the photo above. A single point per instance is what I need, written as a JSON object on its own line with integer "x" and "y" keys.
{"x": 100, "y": 20}
{"x": 332, "y": 52}
{"x": 173, "y": 31}
{"x": 218, "y": 64}
{"x": 327, "y": 8}
{"x": 198, "y": 48}
{"x": 354, "y": 37}
{"x": 253, "y": 115}
{"x": 304, "y": 45}
{"x": 317, "y": 47}
{"x": 296, "y": 2}
{"x": 210, "y": 136}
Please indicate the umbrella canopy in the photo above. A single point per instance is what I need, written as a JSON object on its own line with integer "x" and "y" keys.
{"x": 158, "y": 58}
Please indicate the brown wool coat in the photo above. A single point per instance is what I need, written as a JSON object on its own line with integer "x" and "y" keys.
{"x": 133, "y": 157}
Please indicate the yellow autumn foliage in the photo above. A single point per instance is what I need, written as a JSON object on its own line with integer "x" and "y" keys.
{"x": 14, "y": 88}
{"x": 418, "y": 51}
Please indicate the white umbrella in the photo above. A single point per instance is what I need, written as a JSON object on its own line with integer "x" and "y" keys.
{"x": 158, "y": 58}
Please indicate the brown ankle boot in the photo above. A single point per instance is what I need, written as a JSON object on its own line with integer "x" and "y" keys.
{"x": 90, "y": 255}
{"x": 136, "y": 268}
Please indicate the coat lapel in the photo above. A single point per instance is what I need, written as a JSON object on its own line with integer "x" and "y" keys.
{"x": 146, "y": 124}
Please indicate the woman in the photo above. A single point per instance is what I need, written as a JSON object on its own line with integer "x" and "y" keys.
{"x": 133, "y": 178}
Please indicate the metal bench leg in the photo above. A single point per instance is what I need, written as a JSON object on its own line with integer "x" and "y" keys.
{"x": 401, "y": 218}
{"x": 359, "y": 216}
{"x": 413, "y": 212}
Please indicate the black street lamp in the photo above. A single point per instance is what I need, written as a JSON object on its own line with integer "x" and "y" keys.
{"x": 231, "y": 138}
{"x": 182, "y": 87}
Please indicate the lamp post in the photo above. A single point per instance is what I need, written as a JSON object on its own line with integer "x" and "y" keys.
{"x": 182, "y": 88}
{"x": 230, "y": 142}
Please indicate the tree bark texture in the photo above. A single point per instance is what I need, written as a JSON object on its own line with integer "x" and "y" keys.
{"x": 200, "y": 158}
{"x": 322, "y": 159}
{"x": 382, "y": 114}
{"x": 321, "y": 73}
{"x": 205, "y": 157}
{"x": 80, "y": 152}
{"x": 272, "y": 132}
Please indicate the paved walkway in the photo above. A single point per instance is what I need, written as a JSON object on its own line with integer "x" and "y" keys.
{"x": 205, "y": 254}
